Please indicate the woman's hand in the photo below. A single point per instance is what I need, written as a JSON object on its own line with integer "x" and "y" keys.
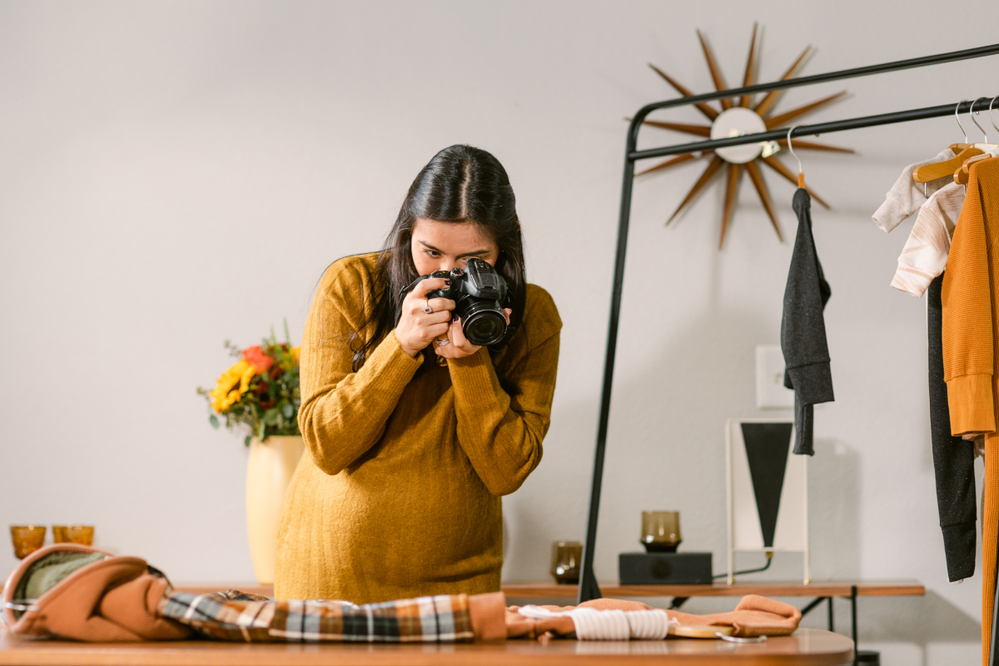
{"x": 455, "y": 344}
{"x": 423, "y": 320}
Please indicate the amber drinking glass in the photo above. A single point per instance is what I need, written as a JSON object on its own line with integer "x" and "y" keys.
{"x": 27, "y": 539}
{"x": 567, "y": 558}
{"x": 81, "y": 534}
{"x": 661, "y": 531}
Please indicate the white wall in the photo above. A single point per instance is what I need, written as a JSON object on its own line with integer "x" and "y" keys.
{"x": 179, "y": 174}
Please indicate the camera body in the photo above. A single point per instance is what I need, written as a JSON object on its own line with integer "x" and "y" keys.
{"x": 480, "y": 294}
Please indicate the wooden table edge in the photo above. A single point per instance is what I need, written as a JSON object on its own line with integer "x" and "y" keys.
{"x": 830, "y": 649}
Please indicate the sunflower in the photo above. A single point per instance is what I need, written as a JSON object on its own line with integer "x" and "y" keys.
{"x": 231, "y": 386}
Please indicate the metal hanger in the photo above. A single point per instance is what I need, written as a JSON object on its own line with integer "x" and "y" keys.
{"x": 963, "y": 174}
{"x": 801, "y": 176}
{"x": 972, "y": 116}
{"x": 963, "y": 131}
{"x": 930, "y": 172}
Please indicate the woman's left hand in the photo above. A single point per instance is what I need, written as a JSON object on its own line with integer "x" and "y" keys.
{"x": 456, "y": 345}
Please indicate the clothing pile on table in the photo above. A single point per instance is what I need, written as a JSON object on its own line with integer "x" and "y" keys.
{"x": 951, "y": 255}
{"x": 80, "y": 593}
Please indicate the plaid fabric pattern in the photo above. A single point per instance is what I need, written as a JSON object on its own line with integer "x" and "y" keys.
{"x": 234, "y": 616}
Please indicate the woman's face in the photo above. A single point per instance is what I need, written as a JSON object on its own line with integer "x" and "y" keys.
{"x": 441, "y": 246}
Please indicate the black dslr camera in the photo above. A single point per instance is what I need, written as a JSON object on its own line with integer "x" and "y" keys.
{"x": 479, "y": 294}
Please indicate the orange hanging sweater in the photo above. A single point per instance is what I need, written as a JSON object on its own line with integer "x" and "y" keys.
{"x": 970, "y": 299}
{"x": 398, "y": 493}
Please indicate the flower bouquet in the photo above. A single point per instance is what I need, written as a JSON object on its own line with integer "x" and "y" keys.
{"x": 260, "y": 391}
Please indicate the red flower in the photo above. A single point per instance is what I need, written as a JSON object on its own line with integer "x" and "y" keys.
{"x": 256, "y": 357}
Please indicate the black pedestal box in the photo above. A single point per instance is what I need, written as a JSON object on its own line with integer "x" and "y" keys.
{"x": 664, "y": 568}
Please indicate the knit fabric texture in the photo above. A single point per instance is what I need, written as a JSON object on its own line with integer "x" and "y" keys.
{"x": 970, "y": 299}
{"x": 398, "y": 492}
{"x": 803, "y": 328}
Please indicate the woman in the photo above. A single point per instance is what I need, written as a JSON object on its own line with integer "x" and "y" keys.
{"x": 412, "y": 433}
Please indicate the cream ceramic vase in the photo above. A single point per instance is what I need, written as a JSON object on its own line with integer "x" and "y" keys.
{"x": 268, "y": 473}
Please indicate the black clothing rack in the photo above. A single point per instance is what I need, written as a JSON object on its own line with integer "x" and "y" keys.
{"x": 588, "y": 588}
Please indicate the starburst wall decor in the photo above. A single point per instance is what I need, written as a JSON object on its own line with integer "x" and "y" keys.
{"x": 736, "y": 117}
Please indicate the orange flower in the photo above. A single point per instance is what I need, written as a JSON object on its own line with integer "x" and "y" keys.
{"x": 256, "y": 357}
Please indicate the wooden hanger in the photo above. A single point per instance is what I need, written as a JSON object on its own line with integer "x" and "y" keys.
{"x": 928, "y": 172}
{"x": 963, "y": 151}
{"x": 963, "y": 174}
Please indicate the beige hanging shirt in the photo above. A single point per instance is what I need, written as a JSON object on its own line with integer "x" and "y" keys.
{"x": 925, "y": 253}
{"x": 906, "y": 195}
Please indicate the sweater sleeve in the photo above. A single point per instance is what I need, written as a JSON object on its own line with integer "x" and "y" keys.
{"x": 502, "y": 434}
{"x": 344, "y": 413}
{"x": 968, "y": 336}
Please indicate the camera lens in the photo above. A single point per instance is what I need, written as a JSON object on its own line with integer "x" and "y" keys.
{"x": 483, "y": 324}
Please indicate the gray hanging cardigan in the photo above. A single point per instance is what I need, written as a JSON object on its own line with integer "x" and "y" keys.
{"x": 803, "y": 329}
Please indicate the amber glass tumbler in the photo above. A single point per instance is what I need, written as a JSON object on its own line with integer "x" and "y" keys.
{"x": 81, "y": 534}
{"x": 661, "y": 531}
{"x": 567, "y": 558}
{"x": 27, "y": 539}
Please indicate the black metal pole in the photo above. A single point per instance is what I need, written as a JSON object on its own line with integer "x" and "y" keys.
{"x": 912, "y": 63}
{"x": 853, "y": 617}
{"x": 812, "y": 605}
{"x": 588, "y": 588}
{"x": 818, "y": 128}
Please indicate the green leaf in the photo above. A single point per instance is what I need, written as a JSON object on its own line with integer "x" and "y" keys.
{"x": 271, "y": 416}
{"x": 214, "y": 420}
{"x": 246, "y": 440}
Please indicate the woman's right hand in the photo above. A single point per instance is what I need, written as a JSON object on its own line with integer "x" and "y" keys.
{"x": 417, "y": 326}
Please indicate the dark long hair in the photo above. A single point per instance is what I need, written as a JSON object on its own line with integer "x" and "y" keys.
{"x": 460, "y": 184}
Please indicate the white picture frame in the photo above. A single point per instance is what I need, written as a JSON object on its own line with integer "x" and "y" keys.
{"x": 745, "y": 526}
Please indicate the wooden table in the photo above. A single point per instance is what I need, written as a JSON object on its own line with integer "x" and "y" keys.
{"x": 807, "y": 647}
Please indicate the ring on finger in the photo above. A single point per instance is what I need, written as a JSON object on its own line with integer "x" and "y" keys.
{"x": 427, "y": 308}
{"x": 443, "y": 343}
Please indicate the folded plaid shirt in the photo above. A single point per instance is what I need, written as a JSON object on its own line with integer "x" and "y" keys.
{"x": 235, "y": 616}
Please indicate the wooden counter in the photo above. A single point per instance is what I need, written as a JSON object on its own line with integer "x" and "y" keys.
{"x": 807, "y": 647}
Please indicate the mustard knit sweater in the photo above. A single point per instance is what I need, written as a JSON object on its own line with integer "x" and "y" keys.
{"x": 398, "y": 492}
{"x": 970, "y": 299}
